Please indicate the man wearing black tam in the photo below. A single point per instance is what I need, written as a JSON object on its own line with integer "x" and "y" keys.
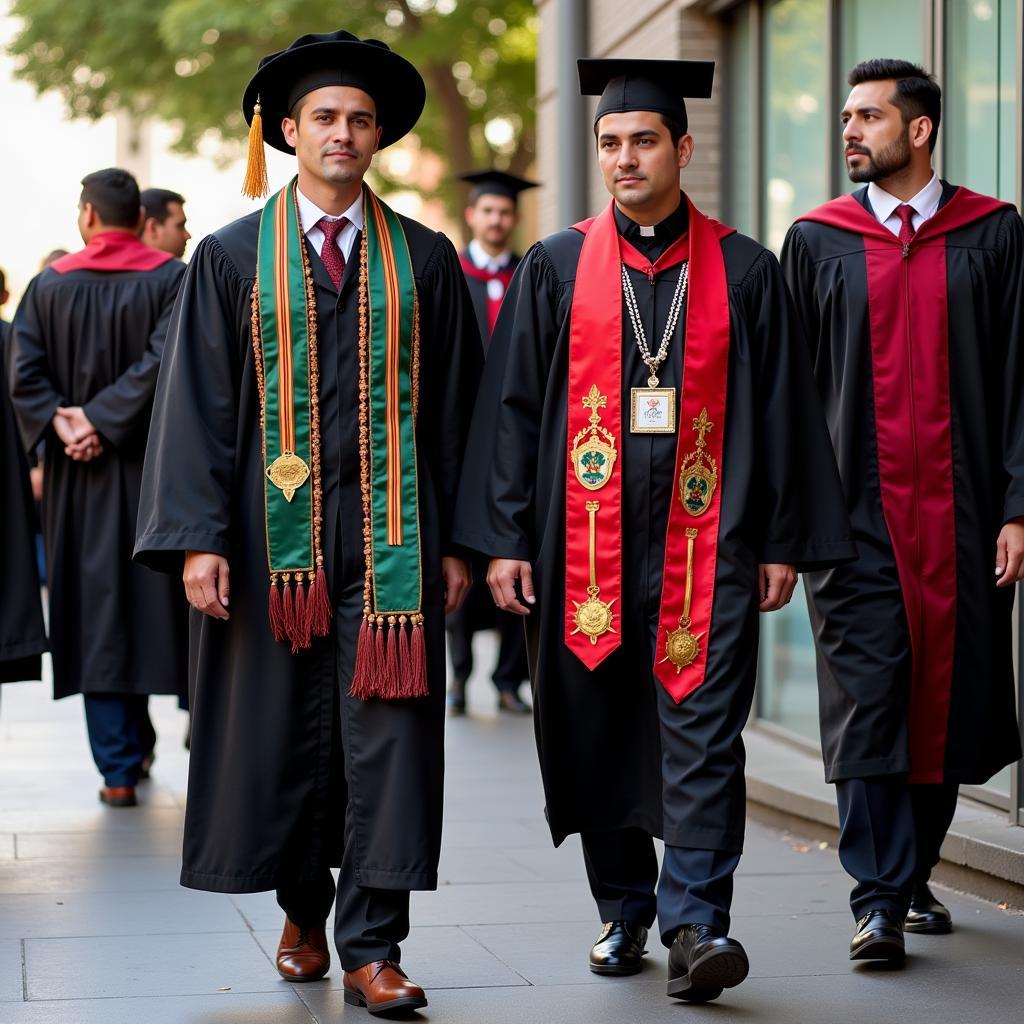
{"x": 301, "y": 474}
{"x": 648, "y": 523}
{"x": 489, "y": 263}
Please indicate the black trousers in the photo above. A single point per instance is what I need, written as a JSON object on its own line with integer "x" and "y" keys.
{"x": 695, "y": 885}
{"x": 511, "y": 668}
{"x": 121, "y": 734}
{"x": 890, "y": 835}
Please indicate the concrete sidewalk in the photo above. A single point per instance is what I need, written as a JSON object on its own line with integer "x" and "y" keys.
{"x": 94, "y": 928}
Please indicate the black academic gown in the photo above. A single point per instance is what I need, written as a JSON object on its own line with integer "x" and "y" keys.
{"x": 615, "y": 751}
{"x": 478, "y": 293}
{"x": 94, "y": 339}
{"x": 857, "y": 611}
{"x": 22, "y": 633}
{"x": 273, "y": 763}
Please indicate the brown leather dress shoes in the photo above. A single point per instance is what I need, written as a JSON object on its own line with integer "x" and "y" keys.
{"x": 302, "y": 954}
{"x": 118, "y": 796}
{"x": 383, "y": 988}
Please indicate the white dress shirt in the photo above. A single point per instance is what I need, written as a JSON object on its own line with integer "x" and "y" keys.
{"x": 483, "y": 260}
{"x": 925, "y": 203}
{"x": 310, "y": 213}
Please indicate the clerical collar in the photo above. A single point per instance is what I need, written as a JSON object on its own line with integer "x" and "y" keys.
{"x": 652, "y": 242}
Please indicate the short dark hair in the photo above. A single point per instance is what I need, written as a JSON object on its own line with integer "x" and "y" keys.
{"x": 156, "y": 202}
{"x": 114, "y": 194}
{"x": 917, "y": 93}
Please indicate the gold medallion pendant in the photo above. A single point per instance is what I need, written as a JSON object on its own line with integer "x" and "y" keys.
{"x": 288, "y": 473}
{"x": 698, "y": 475}
{"x": 681, "y": 646}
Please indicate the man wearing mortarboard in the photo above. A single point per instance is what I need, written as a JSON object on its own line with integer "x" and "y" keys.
{"x": 307, "y": 438}
{"x": 489, "y": 262}
{"x": 649, "y": 462}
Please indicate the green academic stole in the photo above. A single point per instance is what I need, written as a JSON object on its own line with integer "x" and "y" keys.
{"x": 390, "y": 659}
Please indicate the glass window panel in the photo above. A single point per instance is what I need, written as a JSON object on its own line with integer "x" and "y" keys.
{"x": 980, "y": 130}
{"x": 741, "y": 161}
{"x": 796, "y": 122}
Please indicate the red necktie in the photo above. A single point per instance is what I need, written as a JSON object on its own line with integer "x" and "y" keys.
{"x": 906, "y": 212}
{"x": 334, "y": 261}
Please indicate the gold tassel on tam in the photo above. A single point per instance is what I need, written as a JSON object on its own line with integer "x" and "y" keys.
{"x": 256, "y": 184}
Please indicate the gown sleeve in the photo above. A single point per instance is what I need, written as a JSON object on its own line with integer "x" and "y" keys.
{"x": 799, "y": 517}
{"x": 1011, "y": 324}
{"x": 190, "y": 455}
{"x": 32, "y": 391}
{"x": 496, "y": 496}
{"x": 120, "y": 408}
{"x": 451, "y": 360}
{"x": 798, "y": 270}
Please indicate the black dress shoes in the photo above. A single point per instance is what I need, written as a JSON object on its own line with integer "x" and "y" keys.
{"x": 927, "y": 916}
{"x": 511, "y": 703}
{"x": 702, "y": 962}
{"x": 620, "y": 948}
{"x": 879, "y": 936}
{"x": 457, "y": 697}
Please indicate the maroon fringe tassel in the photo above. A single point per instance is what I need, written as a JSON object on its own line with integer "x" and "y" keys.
{"x": 364, "y": 671}
{"x": 391, "y": 684}
{"x": 319, "y": 605}
{"x": 277, "y": 626}
{"x": 301, "y": 640}
{"x": 288, "y": 603}
{"x": 418, "y": 661}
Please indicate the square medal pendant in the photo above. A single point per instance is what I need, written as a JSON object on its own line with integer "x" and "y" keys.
{"x": 652, "y": 411}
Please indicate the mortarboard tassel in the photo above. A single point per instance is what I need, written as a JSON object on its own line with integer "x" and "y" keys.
{"x": 256, "y": 184}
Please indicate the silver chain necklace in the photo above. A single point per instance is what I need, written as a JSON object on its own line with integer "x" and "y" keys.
{"x": 654, "y": 362}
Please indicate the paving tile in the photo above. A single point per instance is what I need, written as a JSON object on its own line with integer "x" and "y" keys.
{"x": 6, "y": 846}
{"x": 139, "y": 842}
{"x": 436, "y": 958}
{"x": 506, "y": 903}
{"x": 223, "y": 1008}
{"x": 476, "y": 865}
{"x": 125, "y": 913}
{"x": 112, "y": 875}
{"x": 11, "y": 987}
{"x": 91, "y": 816}
{"x": 488, "y": 834}
{"x": 147, "y": 965}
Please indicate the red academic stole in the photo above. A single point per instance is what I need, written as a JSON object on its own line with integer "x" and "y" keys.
{"x": 470, "y": 269}
{"x": 909, "y": 318}
{"x": 112, "y": 251}
{"x": 593, "y": 511}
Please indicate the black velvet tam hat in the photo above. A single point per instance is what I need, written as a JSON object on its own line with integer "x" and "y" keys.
{"x": 657, "y": 85}
{"x": 495, "y": 183}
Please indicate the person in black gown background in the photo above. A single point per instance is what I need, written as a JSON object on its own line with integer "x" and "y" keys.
{"x": 489, "y": 262}
{"x": 624, "y": 758}
{"x": 88, "y": 337}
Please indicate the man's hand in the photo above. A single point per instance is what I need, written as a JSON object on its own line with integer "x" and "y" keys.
{"x": 72, "y": 426}
{"x": 502, "y": 574}
{"x": 776, "y": 583}
{"x": 206, "y": 580}
{"x": 1010, "y": 553}
{"x": 457, "y": 579}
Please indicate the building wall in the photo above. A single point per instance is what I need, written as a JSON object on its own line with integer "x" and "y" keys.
{"x": 671, "y": 29}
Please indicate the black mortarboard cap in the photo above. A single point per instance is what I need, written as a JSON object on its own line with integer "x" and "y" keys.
{"x": 657, "y": 85}
{"x": 496, "y": 183}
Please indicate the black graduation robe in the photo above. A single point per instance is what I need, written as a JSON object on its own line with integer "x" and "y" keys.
{"x": 939, "y": 437}
{"x": 478, "y": 292}
{"x": 94, "y": 338}
{"x": 615, "y": 750}
{"x": 22, "y": 633}
{"x": 279, "y": 748}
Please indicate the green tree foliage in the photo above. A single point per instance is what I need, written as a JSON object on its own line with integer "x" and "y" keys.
{"x": 187, "y": 62}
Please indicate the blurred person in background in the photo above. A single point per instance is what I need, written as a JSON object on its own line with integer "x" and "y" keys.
{"x": 489, "y": 262}
{"x": 164, "y": 225}
{"x": 88, "y": 337}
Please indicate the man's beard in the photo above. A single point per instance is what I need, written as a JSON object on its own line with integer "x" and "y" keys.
{"x": 890, "y": 160}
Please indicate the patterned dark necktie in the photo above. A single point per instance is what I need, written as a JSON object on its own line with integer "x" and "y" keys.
{"x": 334, "y": 261}
{"x": 906, "y": 212}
